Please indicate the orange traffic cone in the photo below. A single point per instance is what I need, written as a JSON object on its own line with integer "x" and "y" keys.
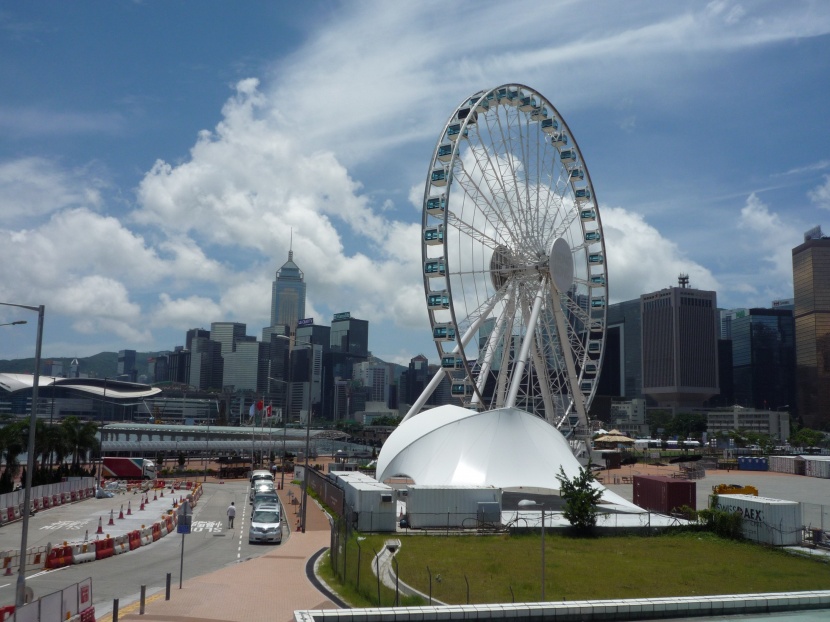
{"x": 121, "y": 513}
{"x": 155, "y": 497}
{"x": 100, "y": 526}
{"x": 112, "y": 522}
{"x": 162, "y": 493}
{"x": 141, "y": 507}
{"x": 129, "y": 509}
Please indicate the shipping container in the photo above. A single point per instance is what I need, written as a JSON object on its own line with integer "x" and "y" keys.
{"x": 447, "y": 506}
{"x": 664, "y": 494}
{"x": 817, "y": 466}
{"x": 768, "y": 521}
{"x": 794, "y": 465}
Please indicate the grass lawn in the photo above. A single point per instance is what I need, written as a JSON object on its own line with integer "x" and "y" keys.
{"x": 680, "y": 564}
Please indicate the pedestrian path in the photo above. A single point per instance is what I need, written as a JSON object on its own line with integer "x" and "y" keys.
{"x": 270, "y": 587}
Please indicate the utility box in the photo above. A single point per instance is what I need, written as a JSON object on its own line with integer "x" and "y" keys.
{"x": 664, "y": 494}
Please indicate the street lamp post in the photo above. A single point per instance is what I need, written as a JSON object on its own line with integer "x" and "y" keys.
{"x": 307, "y": 427}
{"x": 284, "y": 429}
{"x": 20, "y": 594}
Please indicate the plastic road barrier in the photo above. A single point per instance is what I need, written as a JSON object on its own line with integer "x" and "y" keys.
{"x": 134, "y": 539}
{"x": 104, "y": 548}
{"x": 84, "y": 552}
{"x": 146, "y": 536}
{"x": 156, "y": 531}
{"x": 59, "y": 557}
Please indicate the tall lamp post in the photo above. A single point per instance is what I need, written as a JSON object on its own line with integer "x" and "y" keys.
{"x": 307, "y": 426}
{"x": 20, "y": 594}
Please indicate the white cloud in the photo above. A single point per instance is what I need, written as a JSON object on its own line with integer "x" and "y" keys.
{"x": 186, "y": 313}
{"x": 35, "y": 186}
{"x": 820, "y": 195}
{"x": 642, "y": 260}
{"x": 772, "y": 239}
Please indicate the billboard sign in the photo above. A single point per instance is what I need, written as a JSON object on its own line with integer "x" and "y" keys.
{"x": 308, "y": 321}
{"x": 342, "y": 316}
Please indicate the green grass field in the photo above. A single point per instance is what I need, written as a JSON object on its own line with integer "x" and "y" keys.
{"x": 681, "y": 564}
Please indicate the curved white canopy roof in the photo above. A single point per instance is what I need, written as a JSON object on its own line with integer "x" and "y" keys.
{"x": 114, "y": 389}
{"x": 507, "y": 448}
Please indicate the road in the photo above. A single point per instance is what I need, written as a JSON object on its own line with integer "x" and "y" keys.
{"x": 209, "y": 546}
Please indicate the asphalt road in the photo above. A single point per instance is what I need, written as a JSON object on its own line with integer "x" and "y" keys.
{"x": 209, "y": 546}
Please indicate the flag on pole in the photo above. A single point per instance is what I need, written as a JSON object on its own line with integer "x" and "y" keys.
{"x": 268, "y": 411}
{"x": 252, "y": 411}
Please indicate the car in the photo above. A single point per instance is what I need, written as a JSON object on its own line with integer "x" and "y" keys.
{"x": 265, "y": 497}
{"x": 261, "y": 487}
{"x": 266, "y": 524}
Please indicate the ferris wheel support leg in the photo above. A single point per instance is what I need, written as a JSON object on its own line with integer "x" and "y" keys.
{"x": 436, "y": 379}
{"x": 526, "y": 343}
{"x": 495, "y": 337}
{"x": 576, "y": 392}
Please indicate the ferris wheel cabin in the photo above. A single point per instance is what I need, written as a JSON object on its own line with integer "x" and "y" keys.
{"x": 439, "y": 177}
{"x": 435, "y": 267}
{"x": 549, "y": 126}
{"x": 538, "y": 114}
{"x": 438, "y": 301}
{"x": 436, "y": 205}
{"x": 444, "y": 331}
{"x": 434, "y": 235}
{"x": 445, "y": 153}
{"x": 452, "y": 362}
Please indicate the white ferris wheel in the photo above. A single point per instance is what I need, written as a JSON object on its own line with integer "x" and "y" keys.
{"x": 514, "y": 259}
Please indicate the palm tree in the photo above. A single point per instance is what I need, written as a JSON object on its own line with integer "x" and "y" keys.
{"x": 81, "y": 438}
{"x": 11, "y": 446}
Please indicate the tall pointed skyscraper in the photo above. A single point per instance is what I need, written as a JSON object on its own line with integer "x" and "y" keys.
{"x": 288, "y": 295}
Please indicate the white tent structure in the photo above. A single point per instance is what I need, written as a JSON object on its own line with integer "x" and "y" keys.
{"x": 507, "y": 448}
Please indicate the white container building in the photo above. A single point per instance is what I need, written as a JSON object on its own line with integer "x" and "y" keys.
{"x": 451, "y": 506}
{"x": 794, "y": 465}
{"x": 817, "y": 466}
{"x": 372, "y": 506}
{"x": 768, "y": 521}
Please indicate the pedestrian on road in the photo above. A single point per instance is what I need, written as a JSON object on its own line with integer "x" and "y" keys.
{"x": 231, "y": 515}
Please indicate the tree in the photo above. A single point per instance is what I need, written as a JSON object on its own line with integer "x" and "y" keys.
{"x": 581, "y": 499}
{"x": 805, "y": 437}
{"x": 81, "y": 438}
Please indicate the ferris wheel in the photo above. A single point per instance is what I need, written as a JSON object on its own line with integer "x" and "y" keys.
{"x": 514, "y": 259}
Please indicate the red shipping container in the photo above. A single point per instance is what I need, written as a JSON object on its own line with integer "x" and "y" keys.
{"x": 664, "y": 494}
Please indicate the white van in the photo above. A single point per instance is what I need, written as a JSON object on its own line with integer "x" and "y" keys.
{"x": 261, "y": 474}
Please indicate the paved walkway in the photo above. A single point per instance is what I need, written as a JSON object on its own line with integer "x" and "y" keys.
{"x": 270, "y": 587}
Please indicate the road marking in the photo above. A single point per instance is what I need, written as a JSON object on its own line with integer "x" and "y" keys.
{"x": 67, "y": 524}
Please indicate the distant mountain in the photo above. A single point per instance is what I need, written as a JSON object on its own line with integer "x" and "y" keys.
{"x": 105, "y": 365}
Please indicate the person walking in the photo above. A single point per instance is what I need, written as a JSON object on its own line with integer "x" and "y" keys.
{"x": 231, "y": 515}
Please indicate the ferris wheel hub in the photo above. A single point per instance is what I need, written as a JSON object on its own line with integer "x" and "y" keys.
{"x": 561, "y": 265}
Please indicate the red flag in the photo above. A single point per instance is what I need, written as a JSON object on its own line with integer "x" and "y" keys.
{"x": 259, "y": 405}
{"x": 268, "y": 411}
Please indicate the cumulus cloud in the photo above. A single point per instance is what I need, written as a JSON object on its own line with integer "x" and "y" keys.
{"x": 771, "y": 235}
{"x": 641, "y": 259}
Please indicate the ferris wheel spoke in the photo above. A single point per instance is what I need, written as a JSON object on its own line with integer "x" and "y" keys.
{"x": 504, "y": 167}
{"x": 494, "y": 180}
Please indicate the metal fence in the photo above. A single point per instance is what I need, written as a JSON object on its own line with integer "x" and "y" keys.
{"x": 66, "y": 604}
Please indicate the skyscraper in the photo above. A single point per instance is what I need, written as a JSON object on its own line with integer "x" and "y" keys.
{"x": 288, "y": 295}
{"x": 680, "y": 345}
{"x": 763, "y": 359}
{"x": 811, "y": 285}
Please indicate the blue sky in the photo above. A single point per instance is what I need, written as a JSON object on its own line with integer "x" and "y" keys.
{"x": 156, "y": 155}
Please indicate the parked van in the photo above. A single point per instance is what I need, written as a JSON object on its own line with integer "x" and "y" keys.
{"x": 261, "y": 474}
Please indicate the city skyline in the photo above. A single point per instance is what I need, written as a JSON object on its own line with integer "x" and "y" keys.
{"x": 150, "y": 183}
